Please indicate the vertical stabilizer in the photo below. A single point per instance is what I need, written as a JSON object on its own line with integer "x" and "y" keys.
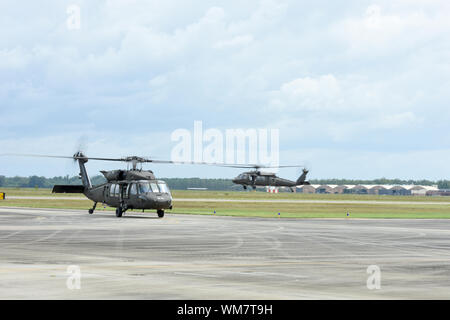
{"x": 301, "y": 180}
{"x": 83, "y": 172}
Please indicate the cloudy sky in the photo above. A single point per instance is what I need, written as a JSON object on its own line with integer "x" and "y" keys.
{"x": 358, "y": 89}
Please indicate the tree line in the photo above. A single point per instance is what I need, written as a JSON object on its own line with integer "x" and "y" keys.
{"x": 173, "y": 183}
{"x": 185, "y": 183}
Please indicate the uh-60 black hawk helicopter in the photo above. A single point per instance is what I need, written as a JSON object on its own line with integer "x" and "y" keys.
{"x": 125, "y": 189}
{"x": 258, "y": 178}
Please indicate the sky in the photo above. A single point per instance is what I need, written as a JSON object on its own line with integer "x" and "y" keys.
{"x": 357, "y": 89}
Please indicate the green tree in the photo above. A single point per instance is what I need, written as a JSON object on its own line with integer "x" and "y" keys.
{"x": 36, "y": 181}
{"x": 444, "y": 184}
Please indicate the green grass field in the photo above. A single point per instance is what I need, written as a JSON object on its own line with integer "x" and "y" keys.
{"x": 418, "y": 209}
{"x": 241, "y": 195}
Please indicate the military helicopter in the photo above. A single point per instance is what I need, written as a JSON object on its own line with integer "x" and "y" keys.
{"x": 256, "y": 177}
{"x": 125, "y": 189}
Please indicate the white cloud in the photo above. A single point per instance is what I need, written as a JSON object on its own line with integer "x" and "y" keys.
{"x": 308, "y": 94}
{"x": 236, "y": 41}
{"x": 398, "y": 120}
{"x": 349, "y": 163}
{"x": 381, "y": 30}
{"x": 14, "y": 58}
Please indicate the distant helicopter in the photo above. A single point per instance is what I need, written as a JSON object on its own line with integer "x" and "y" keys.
{"x": 125, "y": 189}
{"x": 259, "y": 178}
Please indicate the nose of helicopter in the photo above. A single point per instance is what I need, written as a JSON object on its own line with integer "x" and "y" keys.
{"x": 163, "y": 200}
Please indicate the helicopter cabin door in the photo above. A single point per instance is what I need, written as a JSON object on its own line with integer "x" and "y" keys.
{"x": 272, "y": 181}
{"x": 113, "y": 194}
{"x": 124, "y": 192}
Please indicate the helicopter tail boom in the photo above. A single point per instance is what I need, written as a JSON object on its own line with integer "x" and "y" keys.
{"x": 83, "y": 172}
{"x": 302, "y": 178}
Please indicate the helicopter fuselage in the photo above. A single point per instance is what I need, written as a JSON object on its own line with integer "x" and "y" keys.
{"x": 263, "y": 180}
{"x": 266, "y": 179}
{"x": 137, "y": 194}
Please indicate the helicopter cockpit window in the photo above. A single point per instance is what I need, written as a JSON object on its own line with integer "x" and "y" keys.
{"x": 133, "y": 189}
{"x": 154, "y": 187}
{"x": 112, "y": 190}
{"x": 117, "y": 190}
{"x": 261, "y": 179}
{"x": 144, "y": 187}
{"x": 163, "y": 187}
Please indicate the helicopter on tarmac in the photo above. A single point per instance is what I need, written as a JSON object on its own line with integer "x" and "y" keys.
{"x": 125, "y": 189}
{"x": 259, "y": 178}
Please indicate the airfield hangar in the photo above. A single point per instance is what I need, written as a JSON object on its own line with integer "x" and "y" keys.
{"x": 400, "y": 190}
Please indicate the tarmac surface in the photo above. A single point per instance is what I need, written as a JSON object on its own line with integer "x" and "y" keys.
{"x": 140, "y": 256}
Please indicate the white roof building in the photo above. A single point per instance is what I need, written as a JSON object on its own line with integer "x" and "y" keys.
{"x": 415, "y": 189}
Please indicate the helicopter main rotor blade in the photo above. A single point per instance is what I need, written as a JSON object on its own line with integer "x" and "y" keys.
{"x": 158, "y": 161}
{"x": 98, "y": 159}
{"x": 146, "y": 160}
{"x": 33, "y": 155}
{"x": 244, "y": 166}
{"x": 249, "y": 166}
{"x": 75, "y": 157}
{"x": 207, "y": 164}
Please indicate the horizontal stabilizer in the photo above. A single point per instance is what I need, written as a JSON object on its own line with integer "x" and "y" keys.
{"x": 68, "y": 189}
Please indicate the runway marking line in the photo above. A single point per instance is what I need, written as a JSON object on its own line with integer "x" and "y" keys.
{"x": 196, "y": 274}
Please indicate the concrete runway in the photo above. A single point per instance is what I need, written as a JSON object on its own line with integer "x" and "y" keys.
{"x": 208, "y": 257}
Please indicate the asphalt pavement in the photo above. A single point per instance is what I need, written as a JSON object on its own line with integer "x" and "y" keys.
{"x": 69, "y": 254}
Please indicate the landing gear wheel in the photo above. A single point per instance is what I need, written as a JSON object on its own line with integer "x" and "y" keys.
{"x": 91, "y": 211}
{"x": 119, "y": 212}
{"x": 160, "y": 213}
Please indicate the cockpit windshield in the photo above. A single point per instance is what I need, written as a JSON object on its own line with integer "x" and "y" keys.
{"x": 163, "y": 187}
{"x": 160, "y": 186}
{"x": 144, "y": 187}
{"x": 154, "y": 186}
